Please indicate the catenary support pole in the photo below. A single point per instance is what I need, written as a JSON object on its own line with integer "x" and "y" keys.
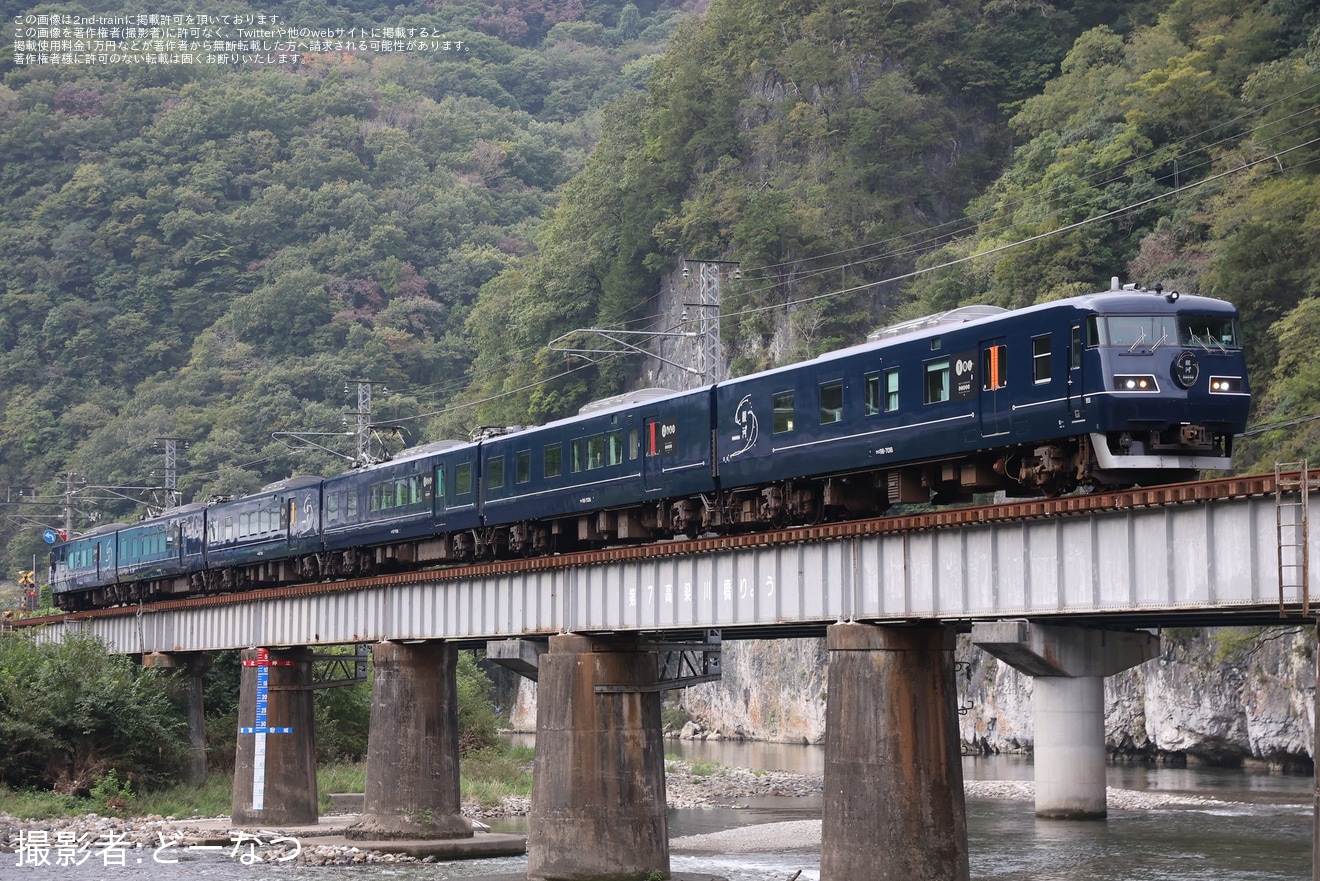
{"x": 275, "y": 765}
{"x": 598, "y": 789}
{"x": 894, "y": 808}
{"x": 412, "y": 787}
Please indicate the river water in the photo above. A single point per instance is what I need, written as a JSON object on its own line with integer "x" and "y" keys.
{"x": 1264, "y": 834}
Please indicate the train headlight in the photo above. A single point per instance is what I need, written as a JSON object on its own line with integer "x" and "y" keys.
{"x": 1135, "y": 382}
{"x": 1226, "y": 385}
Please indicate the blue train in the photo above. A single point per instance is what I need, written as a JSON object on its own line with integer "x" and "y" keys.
{"x": 1118, "y": 388}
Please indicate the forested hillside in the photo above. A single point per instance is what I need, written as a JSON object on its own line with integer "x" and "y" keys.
{"x": 211, "y": 254}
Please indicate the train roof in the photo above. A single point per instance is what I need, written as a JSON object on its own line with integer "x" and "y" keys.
{"x": 1126, "y": 301}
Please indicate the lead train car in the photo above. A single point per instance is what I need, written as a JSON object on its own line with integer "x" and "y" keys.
{"x": 1117, "y": 388}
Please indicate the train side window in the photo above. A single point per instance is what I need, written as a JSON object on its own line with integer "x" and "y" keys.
{"x": 332, "y": 507}
{"x": 891, "y": 389}
{"x": 993, "y": 361}
{"x": 614, "y": 448}
{"x": 523, "y": 467}
{"x": 634, "y": 443}
{"x": 414, "y": 489}
{"x": 831, "y": 402}
{"x": 351, "y": 504}
{"x": 575, "y": 460}
{"x": 1040, "y": 358}
{"x": 783, "y": 415}
{"x": 463, "y": 479}
{"x": 440, "y": 481}
{"x": 595, "y": 452}
{"x": 1075, "y": 349}
{"x": 495, "y": 472}
{"x": 871, "y": 393}
{"x": 244, "y": 525}
{"x": 229, "y": 529}
{"x": 373, "y": 503}
{"x": 554, "y": 461}
{"x": 1094, "y": 331}
{"x": 937, "y": 382}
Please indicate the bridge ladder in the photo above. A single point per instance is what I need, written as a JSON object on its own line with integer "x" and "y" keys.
{"x": 1291, "y": 491}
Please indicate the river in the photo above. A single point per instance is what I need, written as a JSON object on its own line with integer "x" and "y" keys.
{"x": 1262, "y": 834}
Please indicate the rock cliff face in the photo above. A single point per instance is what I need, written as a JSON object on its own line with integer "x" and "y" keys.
{"x": 1220, "y": 696}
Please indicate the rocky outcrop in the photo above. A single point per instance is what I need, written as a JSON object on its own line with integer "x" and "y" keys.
{"x": 1220, "y": 696}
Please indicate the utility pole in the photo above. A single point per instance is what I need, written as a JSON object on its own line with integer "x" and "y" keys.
{"x": 171, "y": 467}
{"x": 364, "y": 418}
{"x": 710, "y": 354}
{"x": 69, "y": 478}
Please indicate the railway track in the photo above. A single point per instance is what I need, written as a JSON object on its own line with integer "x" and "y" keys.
{"x": 1197, "y": 492}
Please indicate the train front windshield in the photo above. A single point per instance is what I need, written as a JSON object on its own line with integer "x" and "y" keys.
{"x": 1204, "y": 331}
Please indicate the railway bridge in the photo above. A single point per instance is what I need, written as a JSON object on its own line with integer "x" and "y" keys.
{"x": 1067, "y": 590}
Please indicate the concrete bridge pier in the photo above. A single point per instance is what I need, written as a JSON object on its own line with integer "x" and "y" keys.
{"x": 598, "y": 788}
{"x": 894, "y": 808}
{"x": 193, "y": 667}
{"x": 275, "y": 765}
{"x": 1069, "y": 665}
{"x": 412, "y": 787}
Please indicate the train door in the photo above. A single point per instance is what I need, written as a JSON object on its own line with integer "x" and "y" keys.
{"x": 1076, "y": 379}
{"x": 660, "y": 439}
{"x": 996, "y": 406}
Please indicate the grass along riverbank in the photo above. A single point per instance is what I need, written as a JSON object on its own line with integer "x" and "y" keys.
{"x": 487, "y": 777}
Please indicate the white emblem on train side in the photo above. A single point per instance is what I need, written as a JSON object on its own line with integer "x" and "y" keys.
{"x": 748, "y": 428}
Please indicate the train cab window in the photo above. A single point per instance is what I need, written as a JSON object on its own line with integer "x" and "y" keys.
{"x": 891, "y": 389}
{"x": 332, "y": 507}
{"x": 1092, "y": 331}
{"x": 495, "y": 472}
{"x": 871, "y": 393}
{"x": 463, "y": 479}
{"x": 522, "y": 471}
{"x": 994, "y": 364}
{"x": 1208, "y": 331}
{"x": 783, "y": 415}
{"x": 1075, "y": 349}
{"x": 1040, "y": 358}
{"x": 576, "y": 461}
{"x": 614, "y": 448}
{"x": 595, "y": 452}
{"x": 937, "y": 382}
{"x": 831, "y": 402}
{"x": 553, "y": 461}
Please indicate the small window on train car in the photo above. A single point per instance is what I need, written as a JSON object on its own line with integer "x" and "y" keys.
{"x": 405, "y": 494}
{"x": 831, "y": 402}
{"x": 229, "y": 529}
{"x": 595, "y": 452}
{"x": 891, "y": 389}
{"x": 871, "y": 393}
{"x": 373, "y": 502}
{"x": 783, "y": 414}
{"x": 439, "y": 481}
{"x": 576, "y": 462}
{"x": 614, "y": 448}
{"x": 937, "y": 382}
{"x": 1075, "y": 349}
{"x": 463, "y": 479}
{"x": 332, "y": 507}
{"x": 1093, "y": 331}
{"x": 554, "y": 460}
{"x": 351, "y": 504}
{"x": 994, "y": 364}
{"x": 634, "y": 443}
{"x": 1040, "y": 358}
{"x": 495, "y": 472}
{"x": 523, "y": 469}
